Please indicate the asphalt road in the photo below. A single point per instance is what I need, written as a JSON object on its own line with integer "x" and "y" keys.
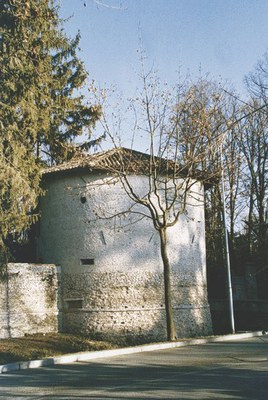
{"x": 224, "y": 370}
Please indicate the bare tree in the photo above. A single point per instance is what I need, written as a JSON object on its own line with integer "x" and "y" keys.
{"x": 210, "y": 129}
{"x": 175, "y": 155}
{"x": 257, "y": 80}
{"x": 254, "y": 148}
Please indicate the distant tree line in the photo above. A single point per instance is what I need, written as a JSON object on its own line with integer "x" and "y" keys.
{"x": 244, "y": 163}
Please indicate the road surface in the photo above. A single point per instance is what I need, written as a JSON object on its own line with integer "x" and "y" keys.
{"x": 224, "y": 370}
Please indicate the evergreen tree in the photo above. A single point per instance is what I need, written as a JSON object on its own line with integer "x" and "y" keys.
{"x": 42, "y": 110}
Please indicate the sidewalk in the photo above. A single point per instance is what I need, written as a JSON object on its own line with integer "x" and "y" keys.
{"x": 92, "y": 355}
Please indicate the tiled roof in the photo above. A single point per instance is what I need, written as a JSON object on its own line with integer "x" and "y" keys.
{"x": 115, "y": 159}
{"x": 121, "y": 160}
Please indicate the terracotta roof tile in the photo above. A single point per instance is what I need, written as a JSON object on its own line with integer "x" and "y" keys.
{"x": 122, "y": 160}
{"x": 116, "y": 159}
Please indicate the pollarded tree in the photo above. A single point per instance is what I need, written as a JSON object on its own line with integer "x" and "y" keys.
{"x": 42, "y": 109}
{"x": 172, "y": 169}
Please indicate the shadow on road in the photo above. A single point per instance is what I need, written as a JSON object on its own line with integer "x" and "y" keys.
{"x": 193, "y": 375}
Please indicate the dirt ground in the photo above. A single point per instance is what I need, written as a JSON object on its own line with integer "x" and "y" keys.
{"x": 39, "y": 346}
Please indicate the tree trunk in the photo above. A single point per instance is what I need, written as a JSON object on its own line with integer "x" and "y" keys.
{"x": 171, "y": 332}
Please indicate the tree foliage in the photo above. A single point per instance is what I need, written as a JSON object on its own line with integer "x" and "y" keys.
{"x": 42, "y": 108}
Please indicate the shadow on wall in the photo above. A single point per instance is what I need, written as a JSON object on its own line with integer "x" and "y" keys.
{"x": 130, "y": 303}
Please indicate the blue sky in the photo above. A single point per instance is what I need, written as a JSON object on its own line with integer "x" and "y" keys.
{"x": 224, "y": 38}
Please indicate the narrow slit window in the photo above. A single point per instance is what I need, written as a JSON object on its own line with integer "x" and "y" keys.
{"x": 87, "y": 261}
{"x": 74, "y": 304}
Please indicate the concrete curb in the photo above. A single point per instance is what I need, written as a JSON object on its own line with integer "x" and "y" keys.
{"x": 93, "y": 355}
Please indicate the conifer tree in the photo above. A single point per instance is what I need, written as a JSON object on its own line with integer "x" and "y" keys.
{"x": 42, "y": 110}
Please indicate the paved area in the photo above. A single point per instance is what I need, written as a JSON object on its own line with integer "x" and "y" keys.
{"x": 223, "y": 370}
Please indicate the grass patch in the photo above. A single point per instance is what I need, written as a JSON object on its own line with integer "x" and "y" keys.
{"x": 39, "y": 346}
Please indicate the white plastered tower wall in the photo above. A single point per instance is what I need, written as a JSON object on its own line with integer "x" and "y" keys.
{"x": 112, "y": 272}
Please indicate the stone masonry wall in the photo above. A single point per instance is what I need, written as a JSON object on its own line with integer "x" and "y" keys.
{"x": 132, "y": 305}
{"x": 28, "y": 300}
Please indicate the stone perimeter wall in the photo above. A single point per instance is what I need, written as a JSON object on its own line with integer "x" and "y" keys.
{"x": 28, "y": 300}
{"x": 132, "y": 305}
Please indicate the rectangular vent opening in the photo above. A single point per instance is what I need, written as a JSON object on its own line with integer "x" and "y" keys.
{"x": 87, "y": 261}
{"x": 74, "y": 304}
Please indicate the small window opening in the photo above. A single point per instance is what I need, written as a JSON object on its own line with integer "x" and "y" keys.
{"x": 74, "y": 304}
{"x": 83, "y": 199}
{"x": 87, "y": 261}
